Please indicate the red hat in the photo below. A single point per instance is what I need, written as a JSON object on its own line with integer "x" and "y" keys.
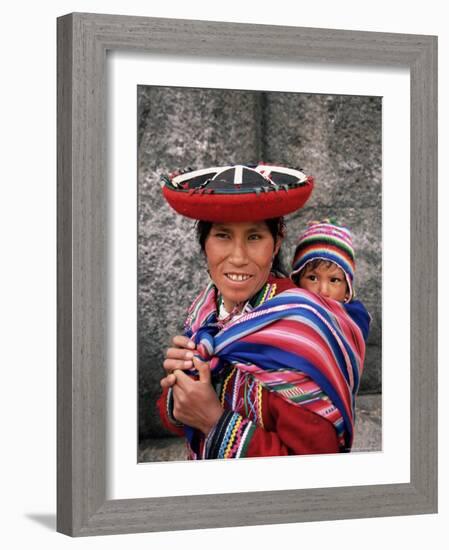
{"x": 237, "y": 193}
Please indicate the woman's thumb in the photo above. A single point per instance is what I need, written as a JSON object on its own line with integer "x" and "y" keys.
{"x": 203, "y": 370}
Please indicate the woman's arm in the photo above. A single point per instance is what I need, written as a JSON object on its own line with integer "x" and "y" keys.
{"x": 179, "y": 356}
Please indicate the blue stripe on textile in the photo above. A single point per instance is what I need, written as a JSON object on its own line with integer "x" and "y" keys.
{"x": 271, "y": 358}
{"x": 254, "y": 323}
{"x": 358, "y": 313}
{"x": 233, "y": 335}
{"x": 356, "y": 310}
{"x": 208, "y": 341}
{"x": 298, "y": 298}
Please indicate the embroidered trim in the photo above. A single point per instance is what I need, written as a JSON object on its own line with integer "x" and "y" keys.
{"x": 246, "y": 438}
{"x": 259, "y": 403}
{"x": 233, "y": 437}
{"x": 225, "y": 384}
{"x": 230, "y": 437}
{"x": 267, "y": 292}
{"x": 236, "y": 389}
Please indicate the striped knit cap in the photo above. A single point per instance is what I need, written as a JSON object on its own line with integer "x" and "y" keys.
{"x": 326, "y": 241}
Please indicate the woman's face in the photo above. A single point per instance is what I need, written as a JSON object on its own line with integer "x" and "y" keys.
{"x": 239, "y": 258}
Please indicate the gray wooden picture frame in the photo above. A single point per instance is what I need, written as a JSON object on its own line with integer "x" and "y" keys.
{"x": 83, "y": 41}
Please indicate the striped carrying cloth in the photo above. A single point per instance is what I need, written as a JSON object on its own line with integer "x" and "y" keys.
{"x": 307, "y": 349}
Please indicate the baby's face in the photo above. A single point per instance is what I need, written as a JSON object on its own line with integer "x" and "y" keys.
{"x": 327, "y": 281}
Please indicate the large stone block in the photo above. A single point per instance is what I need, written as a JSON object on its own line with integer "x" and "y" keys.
{"x": 185, "y": 127}
{"x": 371, "y": 380}
{"x": 337, "y": 139}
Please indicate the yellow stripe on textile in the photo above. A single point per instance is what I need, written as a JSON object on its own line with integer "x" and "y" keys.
{"x": 232, "y": 438}
{"x": 225, "y": 385}
{"x": 259, "y": 403}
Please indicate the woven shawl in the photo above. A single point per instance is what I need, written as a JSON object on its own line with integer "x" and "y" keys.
{"x": 308, "y": 349}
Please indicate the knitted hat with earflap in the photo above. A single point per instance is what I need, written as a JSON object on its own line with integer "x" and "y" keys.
{"x": 328, "y": 241}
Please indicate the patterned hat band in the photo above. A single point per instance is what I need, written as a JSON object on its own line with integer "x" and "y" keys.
{"x": 329, "y": 242}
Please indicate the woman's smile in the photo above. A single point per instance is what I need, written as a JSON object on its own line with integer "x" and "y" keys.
{"x": 238, "y": 277}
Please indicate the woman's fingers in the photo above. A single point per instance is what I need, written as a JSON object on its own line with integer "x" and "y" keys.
{"x": 168, "y": 381}
{"x": 183, "y": 342}
{"x": 179, "y": 353}
{"x": 182, "y": 380}
{"x": 178, "y": 358}
{"x": 195, "y": 402}
{"x": 172, "y": 364}
{"x": 203, "y": 370}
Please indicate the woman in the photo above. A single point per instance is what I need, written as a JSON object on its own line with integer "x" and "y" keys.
{"x": 268, "y": 377}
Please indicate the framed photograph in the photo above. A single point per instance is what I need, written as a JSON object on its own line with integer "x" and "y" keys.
{"x": 105, "y": 284}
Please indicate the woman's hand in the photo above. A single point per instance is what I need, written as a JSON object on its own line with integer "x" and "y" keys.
{"x": 195, "y": 401}
{"x": 178, "y": 357}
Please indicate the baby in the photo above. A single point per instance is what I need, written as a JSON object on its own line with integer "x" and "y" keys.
{"x": 323, "y": 262}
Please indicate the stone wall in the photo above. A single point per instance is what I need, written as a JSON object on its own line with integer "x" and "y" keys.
{"x": 337, "y": 139}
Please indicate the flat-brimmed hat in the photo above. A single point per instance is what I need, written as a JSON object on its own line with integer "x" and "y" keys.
{"x": 238, "y": 193}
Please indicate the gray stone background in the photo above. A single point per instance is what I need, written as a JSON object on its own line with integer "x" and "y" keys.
{"x": 335, "y": 138}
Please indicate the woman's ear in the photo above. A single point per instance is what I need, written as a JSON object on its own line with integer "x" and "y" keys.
{"x": 277, "y": 245}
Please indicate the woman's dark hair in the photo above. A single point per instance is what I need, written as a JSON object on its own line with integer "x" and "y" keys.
{"x": 276, "y": 227}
